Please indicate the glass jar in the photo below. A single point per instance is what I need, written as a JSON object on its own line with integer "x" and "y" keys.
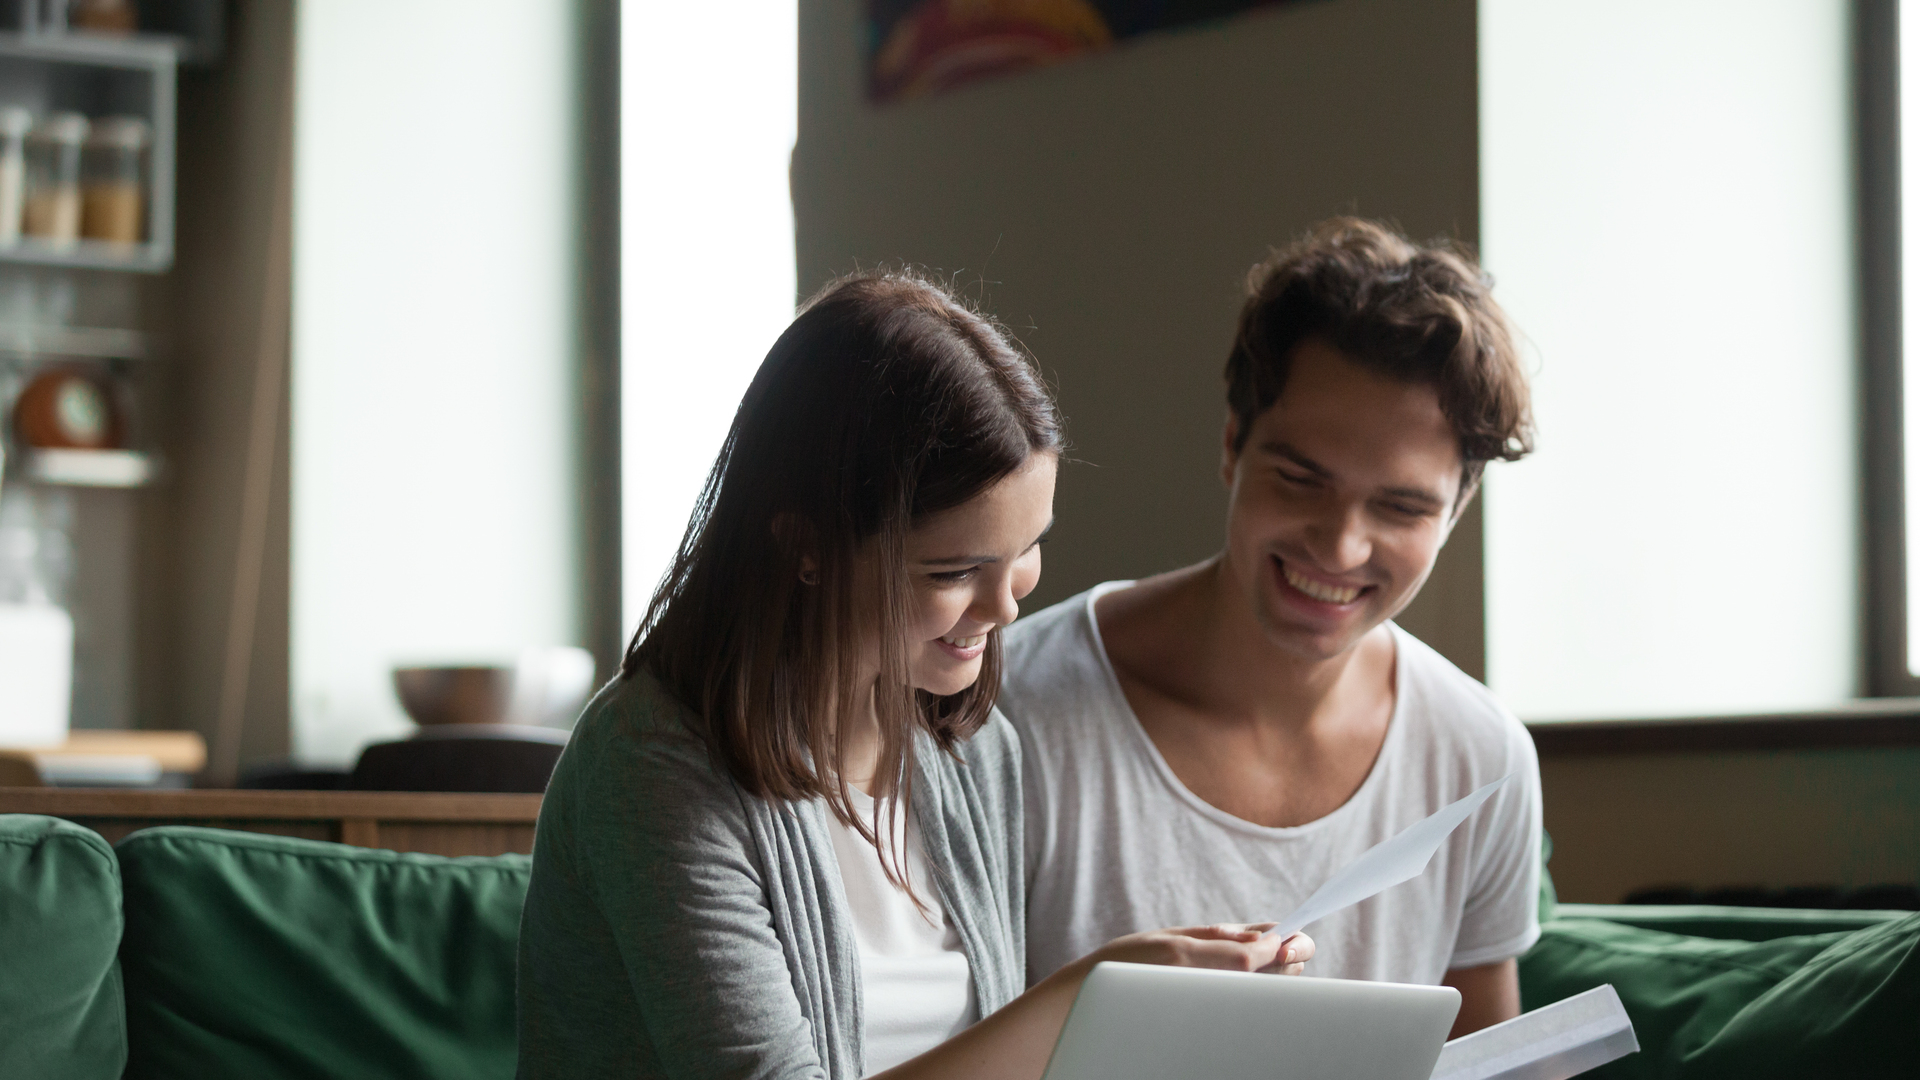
{"x": 113, "y": 180}
{"x": 52, "y": 202}
{"x": 15, "y": 122}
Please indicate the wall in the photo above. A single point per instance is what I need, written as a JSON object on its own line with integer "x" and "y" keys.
{"x": 209, "y": 310}
{"x": 1811, "y": 817}
{"x": 1108, "y": 210}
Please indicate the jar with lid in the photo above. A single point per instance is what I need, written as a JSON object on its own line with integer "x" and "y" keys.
{"x": 113, "y": 180}
{"x": 15, "y": 122}
{"x": 52, "y": 204}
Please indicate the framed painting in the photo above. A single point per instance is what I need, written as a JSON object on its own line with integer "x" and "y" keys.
{"x": 922, "y": 47}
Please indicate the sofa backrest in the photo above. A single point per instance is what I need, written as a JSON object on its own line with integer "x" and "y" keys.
{"x": 248, "y": 955}
{"x": 60, "y": 1000}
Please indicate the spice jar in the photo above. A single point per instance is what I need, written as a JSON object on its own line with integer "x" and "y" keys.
{"x": 52, "y": 204}
{"x": 103, "y": 16}
{"x": 113, "y": 180}
{"x": 14, "y": 125}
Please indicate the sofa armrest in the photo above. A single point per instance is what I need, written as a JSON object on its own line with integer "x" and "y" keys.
{"x": 1729, "y": 923}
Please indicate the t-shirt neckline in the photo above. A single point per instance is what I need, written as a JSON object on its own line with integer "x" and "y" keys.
{"x": 1137, "y": 736}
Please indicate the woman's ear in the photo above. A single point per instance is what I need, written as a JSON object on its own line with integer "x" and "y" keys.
{"x": 800, "y": 540}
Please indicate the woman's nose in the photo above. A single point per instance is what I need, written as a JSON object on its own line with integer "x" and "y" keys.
{"x": 998, "y": 606}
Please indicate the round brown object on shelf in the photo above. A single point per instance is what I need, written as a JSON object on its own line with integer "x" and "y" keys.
{"x": 66, "y": 410}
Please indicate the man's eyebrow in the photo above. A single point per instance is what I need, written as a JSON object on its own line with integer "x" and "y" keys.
{"x": 1300, "y": 460}
{"x": 1415, "y": 495}
{"x": 980, "y": 560}
{"x": 1282, "y": 450}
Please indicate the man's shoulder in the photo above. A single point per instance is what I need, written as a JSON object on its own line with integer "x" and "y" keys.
{"x": 1053, "y": 664}
{"x": 1455, "y": 707}
{"x": 1038, "y": 645}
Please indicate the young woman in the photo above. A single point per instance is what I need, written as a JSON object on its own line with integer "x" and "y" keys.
{"x": 786, "y": 841}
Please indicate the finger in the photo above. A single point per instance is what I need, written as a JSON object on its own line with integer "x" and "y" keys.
{"x": 1216, "y": 932}
{"x": 1294, "y": 953}
{"x": 1235, "y": 955}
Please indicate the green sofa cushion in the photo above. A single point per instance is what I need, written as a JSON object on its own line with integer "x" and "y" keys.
{"x": 60, "y": 1004}
{"x": 1820, "y": 1005}
{"x": 251, "y": 956}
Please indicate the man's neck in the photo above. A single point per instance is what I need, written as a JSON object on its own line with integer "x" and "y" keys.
{"x": 1220, "y": 660}
{"x": 1263, "y": 734}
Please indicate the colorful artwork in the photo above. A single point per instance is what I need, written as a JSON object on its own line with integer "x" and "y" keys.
{"x": 921, "y": 47}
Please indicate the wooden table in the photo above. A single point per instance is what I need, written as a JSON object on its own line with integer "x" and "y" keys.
{"x": 433, "y": 822}
{"x": 182, "y": 752}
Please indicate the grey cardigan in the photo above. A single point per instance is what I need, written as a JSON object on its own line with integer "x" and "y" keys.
{"x": 678, "y": 927}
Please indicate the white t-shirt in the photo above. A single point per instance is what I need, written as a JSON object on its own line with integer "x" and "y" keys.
{"x": 917, "y": 988}
{"x": 1117, "y": 844}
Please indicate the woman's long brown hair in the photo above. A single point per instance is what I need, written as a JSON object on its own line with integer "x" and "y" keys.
{"x": 887, "y": 400}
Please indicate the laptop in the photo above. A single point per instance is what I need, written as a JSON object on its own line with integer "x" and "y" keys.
{"x": 1144, "y": 1022}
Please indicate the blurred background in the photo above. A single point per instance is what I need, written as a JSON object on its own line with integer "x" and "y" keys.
{"x": 361, "y": 358}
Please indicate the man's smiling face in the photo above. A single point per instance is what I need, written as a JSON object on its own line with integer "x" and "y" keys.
{"x": 1341, "y": 497}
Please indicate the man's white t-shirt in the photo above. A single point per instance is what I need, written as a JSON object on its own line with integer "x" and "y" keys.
{"x": 916, "y": 984}
{"x": 1116, "y": 844}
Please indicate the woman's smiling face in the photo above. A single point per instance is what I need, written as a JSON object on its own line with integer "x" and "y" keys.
{"x": 969, "y": 568}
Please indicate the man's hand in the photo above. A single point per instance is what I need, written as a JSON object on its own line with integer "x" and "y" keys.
{"x": 1489, "y": 994}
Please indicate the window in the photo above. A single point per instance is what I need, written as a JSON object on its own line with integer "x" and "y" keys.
{"x": 432, "y": 330}
{"x": 1667, "y": 206}
{"x": 708, "y": 112}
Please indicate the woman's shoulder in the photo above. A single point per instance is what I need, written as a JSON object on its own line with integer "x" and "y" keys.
{"x": 636, "y": 713}
{"x": 636, "y": 737}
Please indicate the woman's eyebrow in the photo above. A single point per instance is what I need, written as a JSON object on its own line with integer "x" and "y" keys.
{"x": 960, "y": 560}
{"x": 979, "y": 560}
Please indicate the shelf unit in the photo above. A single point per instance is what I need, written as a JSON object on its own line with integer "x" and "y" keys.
{"x": 32, "y": 341}
{"x": 100, "y": 76}
{"x": 88, "y": 468}
{"x": 27, "y": 345}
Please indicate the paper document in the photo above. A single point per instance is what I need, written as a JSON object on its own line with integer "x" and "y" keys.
{"x": 1561, "y": 1040}
{"x": 1386, "y": 864}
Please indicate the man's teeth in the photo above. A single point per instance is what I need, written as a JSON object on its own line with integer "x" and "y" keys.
{"x": 965, "y": 642}
{"x": 1328, "y": 594}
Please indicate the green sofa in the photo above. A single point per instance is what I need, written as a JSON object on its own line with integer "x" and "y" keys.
{"x": 209, "y": 954}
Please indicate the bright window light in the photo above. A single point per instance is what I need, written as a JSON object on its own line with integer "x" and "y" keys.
{"x": 1666, "y": 207}
{"x": 432, "y": 338}
{"x": 1910, "y": 304}
{"x": 708, "y": 106}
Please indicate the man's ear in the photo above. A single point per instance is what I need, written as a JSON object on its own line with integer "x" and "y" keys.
{"x": 1229, "y": 448}
{"x": 1469, "y": 487}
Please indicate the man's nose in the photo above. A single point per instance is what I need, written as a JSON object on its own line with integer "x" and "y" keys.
{"x": 1340, "y": 541}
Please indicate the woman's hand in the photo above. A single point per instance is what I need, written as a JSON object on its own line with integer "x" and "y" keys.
{"x": 1014, "y": 1043}
{"x": 1226, "y": 947}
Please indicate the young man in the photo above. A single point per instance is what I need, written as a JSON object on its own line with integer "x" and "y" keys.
{"x": 1212, "y": 744}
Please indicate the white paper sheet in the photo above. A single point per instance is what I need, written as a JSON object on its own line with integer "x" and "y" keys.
{"x": 1386, "y": 864}
{"x": 1553, "y": 1042}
